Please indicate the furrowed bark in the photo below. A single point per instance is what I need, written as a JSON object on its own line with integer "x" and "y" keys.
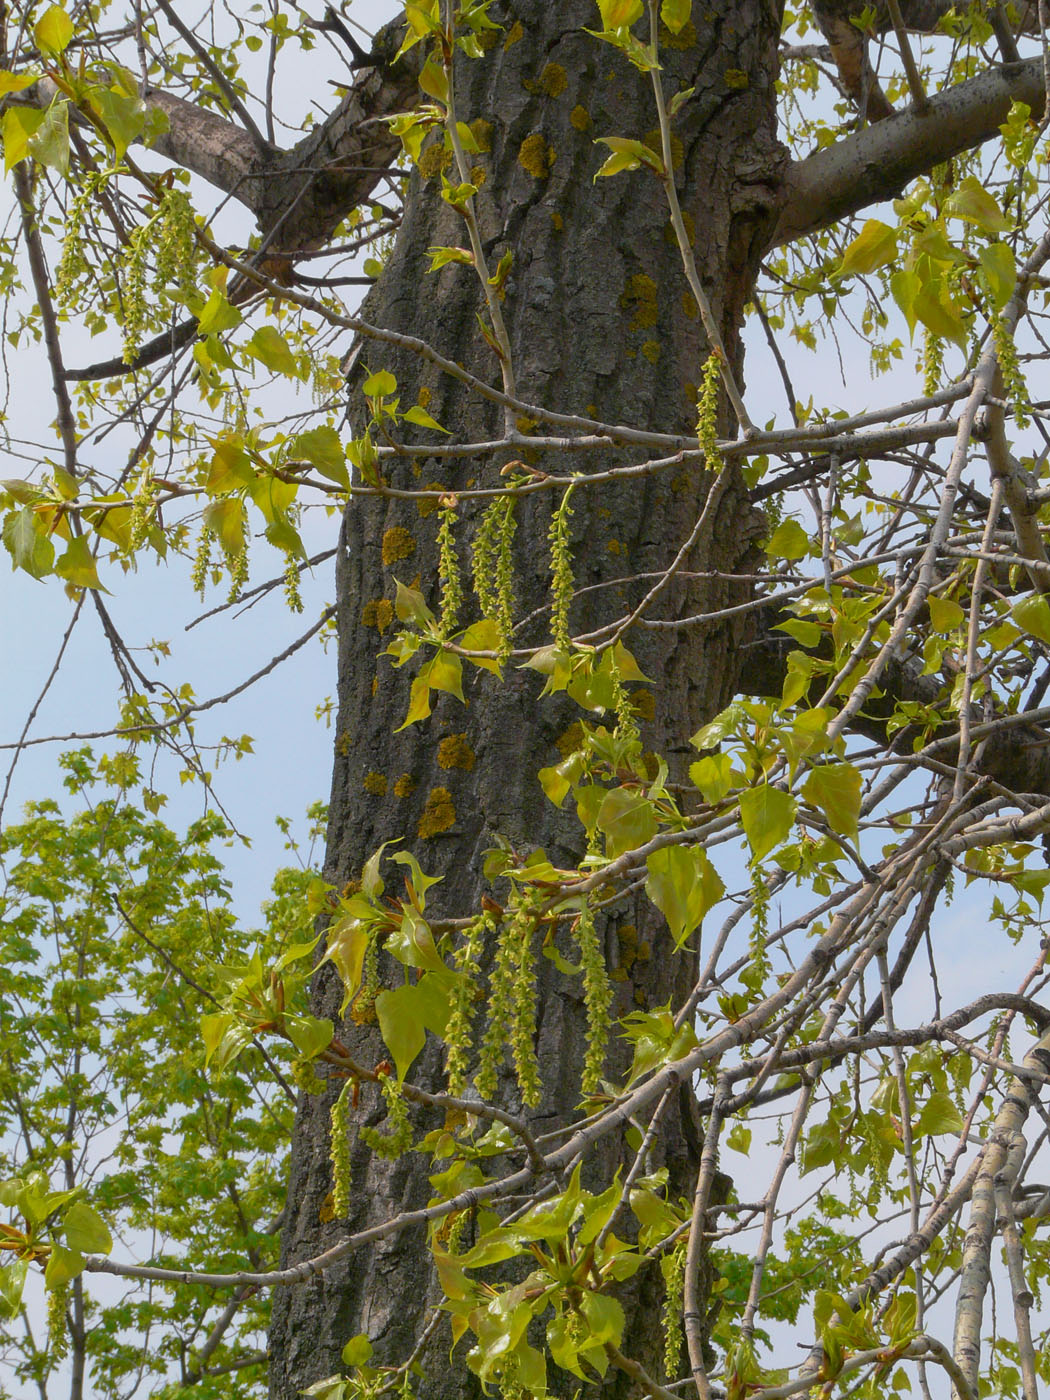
{"x": 599, "y": 322}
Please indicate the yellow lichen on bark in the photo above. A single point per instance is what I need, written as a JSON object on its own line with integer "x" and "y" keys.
{"x": 398, "y": 543}
{"x": 455, "y": 752}
{"x": 438, "y": 814}
{"x": 535, "y": 156}
{"x": 377, "y": 613}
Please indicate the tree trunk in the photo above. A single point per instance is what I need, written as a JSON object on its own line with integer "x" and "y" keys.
{"x": 601, "y": 323}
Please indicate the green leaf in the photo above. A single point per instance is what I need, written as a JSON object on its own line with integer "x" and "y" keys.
{"x": 26, "y": 538}
{"x": 224, "y": 1036}
{"x": 410, "y": 607}
{"x": 16, "y": 82}
{"x": 972, "y": 203}
{"x": 218, "y": 315}
{"x": 270, "y": 347}
{"x": 77, "y": 565}
{"x": 616, "y": 13}
{"x": 19, "y": 125}
{"x": 401, "y": 1023}
{"x": 380, "y": 385}
{"x": 123, "y": 116}
{"x": 482, "y": 636}
{"x": 85, "y": 1230}
{"x": 49, "y": 143}
{"x": 874, "y": 246}
{"x": 788, "y": 541}
{"x": 713, "y": 775}
{"x": 225, "y": 519}
{"x": 1000, "y": 271}
{"x": 422, "y": 418}
{"x": 347, "y": 942}
{"x": 63, "y": 1266}
{"x": 53, "y": 31}
{"x": 1032, "y": 614}
{"x": 945, "y": 614}
{"x": 835, "y": 789}
{"x": 684, "y": 885}
{"x": 309, "y": 1034}
{"x": 939, "y": 312}
{"x": 939, "y": 1115}
{"x": 323, "y": 449}
{"x": 627, "y": 155}
{"x": 676, "y": 14}
{"x": 767, "y": 814}
{"x": 357, "y": 1352}
{"x": 12, "y": 1282}
{"x": 627, "y": 819}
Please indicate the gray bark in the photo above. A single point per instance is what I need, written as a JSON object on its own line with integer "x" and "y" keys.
{"x": 599, "y": 323}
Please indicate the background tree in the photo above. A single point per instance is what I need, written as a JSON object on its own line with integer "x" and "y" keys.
{"x": 809, "y": 661}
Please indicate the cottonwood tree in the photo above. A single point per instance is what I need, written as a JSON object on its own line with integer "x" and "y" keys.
{"x": 673, "y": 747}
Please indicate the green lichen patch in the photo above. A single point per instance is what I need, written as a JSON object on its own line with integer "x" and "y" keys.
{"x": 557, "y": 222}
{"x": 434, "y": 160}
{"x": 438, "y": 814}
{"x": 580, "y": 118}
{"x": 535, "y": 156}
{"x": 651, "y": 351}
{"x": 689, "y": 306}
{"x": 553, "y": 80}
{"x": 375, "y": 783}
{"x": 639, "y": 298}
{"x": 515, "y": 33}
{"x": 405, "y": 785}
{"x": 455, "y": 752}
{"x": 377, "y": 613}
{"x": 569, "y": 741}
{"x": 398, "y": 543}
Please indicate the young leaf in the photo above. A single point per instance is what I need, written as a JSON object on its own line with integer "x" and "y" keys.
{"x": 835, "y": 789}
{"x": 767, "y": 814}
{"x": 684, "y": 885}
{"x": 53, "y": 32}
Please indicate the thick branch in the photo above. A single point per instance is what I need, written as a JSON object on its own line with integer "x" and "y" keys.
{"x": 878, "y": 163}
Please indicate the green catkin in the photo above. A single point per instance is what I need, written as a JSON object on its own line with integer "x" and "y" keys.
{"x": 362, "y": 1010}
{"x": 175, "y": 259}
{"x": 597, "y": 997}
{"x": 523, "y": 1024}
{"x": 238, "y": 564}
{"x": 397, "y": 1140}
{"x": 492, "y": 565}
{"x": 459, "y": 1039}
{"x": 141, "y": 509}
{"x": 292, "y": 595}
{"x": 673, "y": 1267}
{"x": 73, "y": 265}
{"x": 707, "y": 411}
{"x": 201, "y": 563}
{"x": 136, "y": 302}
{"x": 449, "y": 573}
{"x": 1014, "y": 386}
{"x": 562, "y": 582}
{"x": 340, "y": 1151}
{"x": 759, "y": 965}
{"x": 626, "y": 718}
{"x": 932, "y": 362}
{"x": 501, "y": 1001}
{"x": 57, "y": 1331}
